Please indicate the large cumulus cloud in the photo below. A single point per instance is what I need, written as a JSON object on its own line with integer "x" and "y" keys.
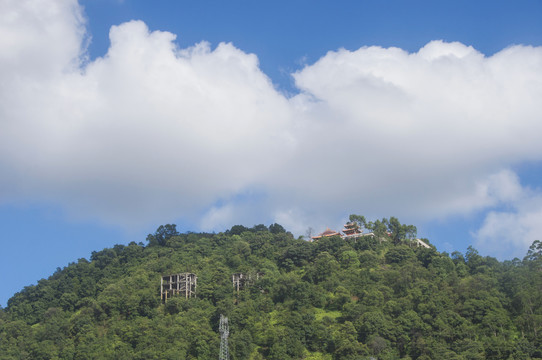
{"x": 146, "y": 132}
{"x": 151, "y": 132}
{"x": 439, "y": 120}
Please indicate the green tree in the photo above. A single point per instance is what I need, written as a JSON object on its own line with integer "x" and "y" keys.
{"x": 359, "y": 220}
{"x": 162, "y": 234}
{"x": 276, "y": 228}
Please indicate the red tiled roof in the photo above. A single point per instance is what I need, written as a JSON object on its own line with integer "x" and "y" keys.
{"x": 327, "y": 233}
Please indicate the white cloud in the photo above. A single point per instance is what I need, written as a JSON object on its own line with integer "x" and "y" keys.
{"x": 39, "y": 38}
{"x": 147, "y": 132}
{"x": 508, "y": 234}
{"x": 151, "y": 133}
{"x": 509, "y": 231}
{"x": 419, "y": 132}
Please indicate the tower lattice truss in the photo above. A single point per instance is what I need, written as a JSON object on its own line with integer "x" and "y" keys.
{"x": 224, "y": 333}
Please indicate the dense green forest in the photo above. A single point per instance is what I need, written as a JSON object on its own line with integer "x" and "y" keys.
{"x": 372, "y": 297}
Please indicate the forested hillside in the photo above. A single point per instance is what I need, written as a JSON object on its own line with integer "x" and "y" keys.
{"x": 373, "y": 297}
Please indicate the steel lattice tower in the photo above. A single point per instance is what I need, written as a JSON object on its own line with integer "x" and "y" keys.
{"x": 224, "y": 333}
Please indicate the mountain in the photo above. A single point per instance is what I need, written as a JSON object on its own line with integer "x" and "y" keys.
{"x": 364, "y": 297}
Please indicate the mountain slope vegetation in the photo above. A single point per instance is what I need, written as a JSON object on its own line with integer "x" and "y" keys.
{"x": 373, "y": 297}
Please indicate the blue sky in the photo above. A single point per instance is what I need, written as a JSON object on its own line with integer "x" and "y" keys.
{"x": 212, "y": 113}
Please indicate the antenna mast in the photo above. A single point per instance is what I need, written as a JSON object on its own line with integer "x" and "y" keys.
{"x": 224, "y": 333}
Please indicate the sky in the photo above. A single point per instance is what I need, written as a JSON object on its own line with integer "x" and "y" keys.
{"x": 119, "y": 116}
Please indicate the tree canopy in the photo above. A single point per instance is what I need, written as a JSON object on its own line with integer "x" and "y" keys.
{"x": 353, "y": 298}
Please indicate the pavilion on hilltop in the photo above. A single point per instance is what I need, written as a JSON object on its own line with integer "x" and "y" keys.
{"x": 351, "y": 230}
{"x": 327, "y": 233}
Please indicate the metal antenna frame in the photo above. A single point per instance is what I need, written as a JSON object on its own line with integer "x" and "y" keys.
{"x": 224, "y": 330}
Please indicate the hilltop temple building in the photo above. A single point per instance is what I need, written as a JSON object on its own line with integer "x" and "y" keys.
{"x": 327, "y": 233}
{"x": 351, "y": 230}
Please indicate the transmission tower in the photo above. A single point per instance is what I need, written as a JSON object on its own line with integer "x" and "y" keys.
{"x": 224, "y": 333}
